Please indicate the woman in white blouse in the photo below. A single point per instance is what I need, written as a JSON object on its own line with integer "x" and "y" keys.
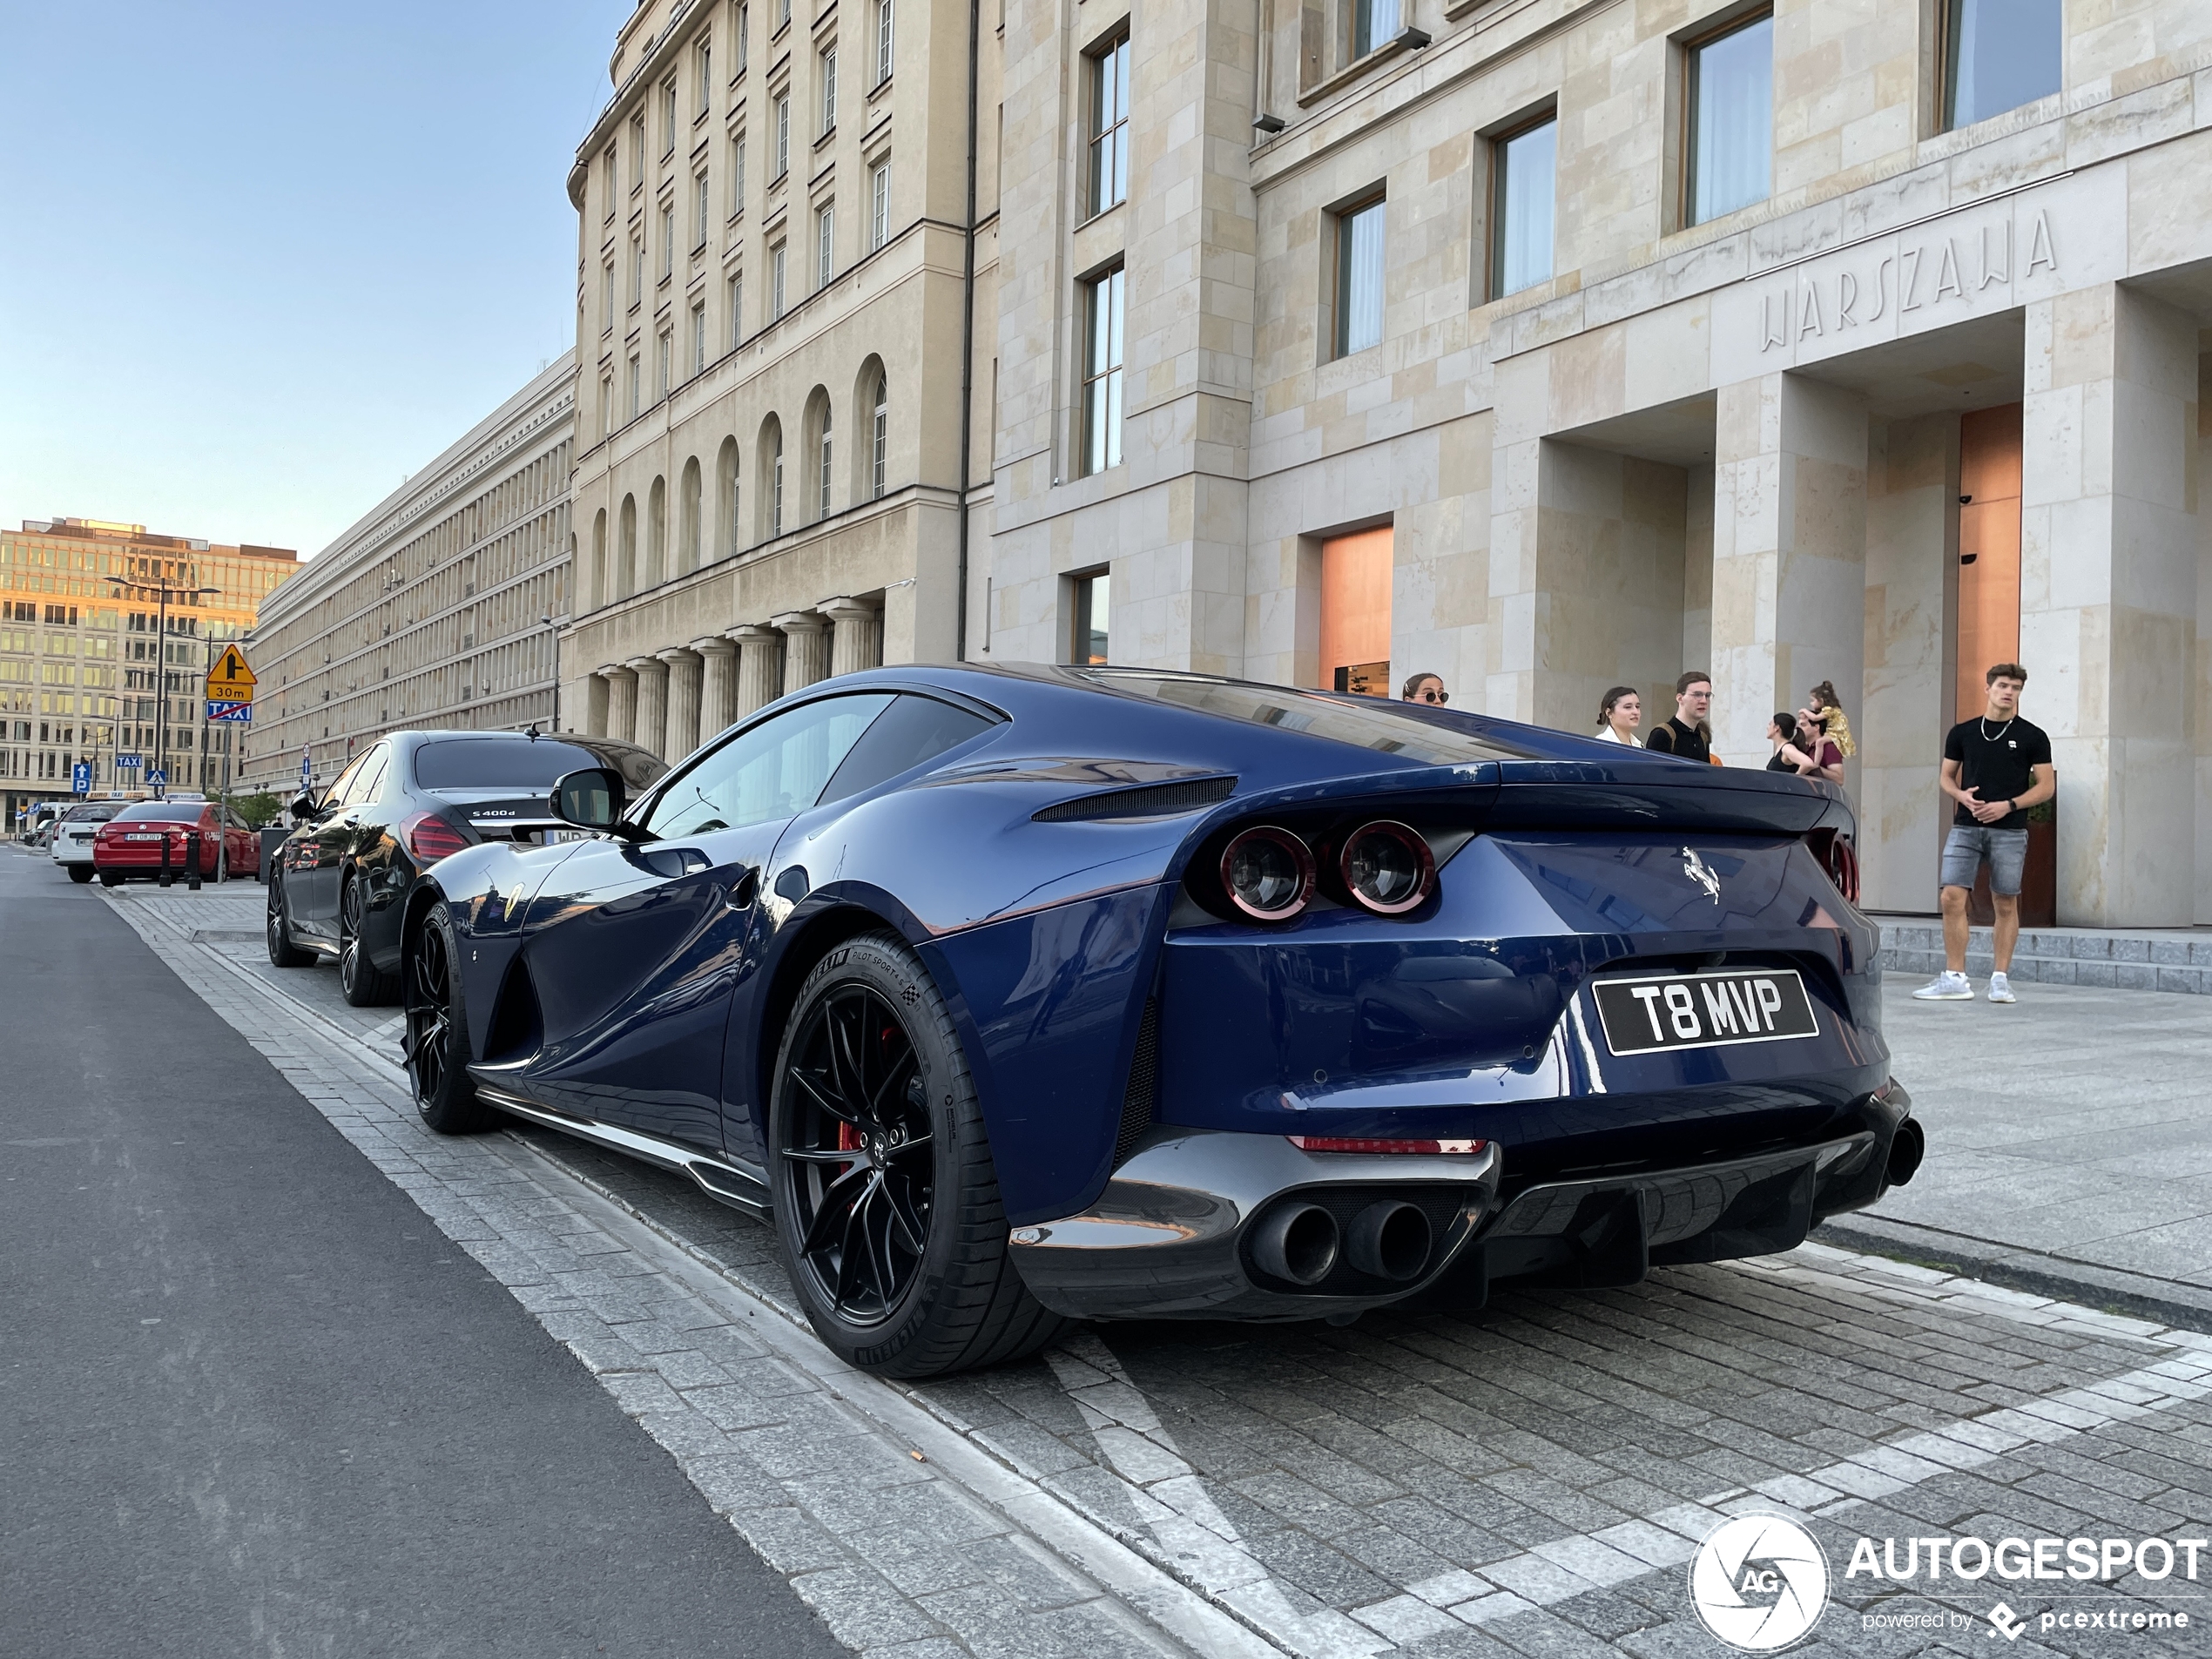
{"x": 1619, "y": 716}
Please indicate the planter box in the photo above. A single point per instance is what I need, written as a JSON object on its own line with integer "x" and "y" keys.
{"x": 2038, "y": 885}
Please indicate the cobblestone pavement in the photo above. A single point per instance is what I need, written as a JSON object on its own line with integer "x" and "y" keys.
{"x": 1528, "y": 1480}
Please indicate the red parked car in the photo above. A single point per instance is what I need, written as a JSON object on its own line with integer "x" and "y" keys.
{"x": 130, "y": 844}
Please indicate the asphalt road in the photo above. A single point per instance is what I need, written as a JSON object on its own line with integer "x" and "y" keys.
{"x": 252, "y": 1401}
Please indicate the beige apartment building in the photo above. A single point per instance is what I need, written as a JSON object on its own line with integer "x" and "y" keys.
{"x": 96, "y": 667}
{"x": 785, "y": 279}
{"x": 439, "y": 608}
{"x": 1549, "y": 344}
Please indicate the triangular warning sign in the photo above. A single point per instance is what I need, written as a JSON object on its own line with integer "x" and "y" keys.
{"x": 230, "y": 679}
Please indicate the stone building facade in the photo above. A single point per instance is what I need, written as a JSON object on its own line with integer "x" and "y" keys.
{"x": 439, "y": 608}
{"x": 785, "y": 277}
{"x": 1545, "y": 344}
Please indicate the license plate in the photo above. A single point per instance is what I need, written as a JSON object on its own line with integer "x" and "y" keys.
{"x": 1703, "y": 1010}
{"x": 144, "y": 838}
{"x": 551, "y": 837}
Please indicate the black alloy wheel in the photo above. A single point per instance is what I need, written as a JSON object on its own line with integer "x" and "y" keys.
{"x": 80, "y": 873}
{"x": 282, "y": 952}
{"x": 886, "y": 1206}
{"x": 437, "y": 1030}
{"x": 363, "y": 984}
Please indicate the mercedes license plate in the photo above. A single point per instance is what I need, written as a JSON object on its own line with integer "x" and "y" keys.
{"x": 1703, "y": 1010}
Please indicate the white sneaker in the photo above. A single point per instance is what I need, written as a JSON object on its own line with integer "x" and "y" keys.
{"x": 1948, "y": 986}
{"x": 2001, "y": 988}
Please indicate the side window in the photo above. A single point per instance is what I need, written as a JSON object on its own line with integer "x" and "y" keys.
{"x": 774, "y": 770}
{"x": 372, "y": 778}
{"x": 912, "y": 731}
{"x": 336, "y": 795}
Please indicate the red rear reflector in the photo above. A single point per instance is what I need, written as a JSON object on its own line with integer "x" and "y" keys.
{"x": 430, "y": 838}
{"x": 1363, "y": 1144}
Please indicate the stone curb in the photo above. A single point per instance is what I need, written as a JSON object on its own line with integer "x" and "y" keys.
{"x": 2185, "y": 1306}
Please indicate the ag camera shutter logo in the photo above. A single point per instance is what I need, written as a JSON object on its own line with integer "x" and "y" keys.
{"x": 1759, "y": 1582}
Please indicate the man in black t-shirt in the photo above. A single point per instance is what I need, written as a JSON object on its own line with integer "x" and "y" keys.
{"x": 1684, "y": 735}
{"x": 1996, "y": 766}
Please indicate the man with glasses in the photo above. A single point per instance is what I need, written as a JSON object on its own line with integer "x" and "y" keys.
{"x": 1426, "y": 688}
{"x": 1686, "y": 736}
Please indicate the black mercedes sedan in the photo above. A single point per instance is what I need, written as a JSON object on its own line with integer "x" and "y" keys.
{"x": 415, "y": 797}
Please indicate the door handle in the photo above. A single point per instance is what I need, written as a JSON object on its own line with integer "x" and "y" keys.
{"x": 746, "y": 890}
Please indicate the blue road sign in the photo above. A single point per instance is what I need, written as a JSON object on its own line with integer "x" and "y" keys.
{"x": 307, "y": 767}
{"x": 80, "y": 778}
{"x": 230, "y": 714}
{"x": 157, "y": 777}
{"x": 128, "y": 763}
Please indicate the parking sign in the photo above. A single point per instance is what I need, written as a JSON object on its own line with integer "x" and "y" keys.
{"x": 80, "y": 778}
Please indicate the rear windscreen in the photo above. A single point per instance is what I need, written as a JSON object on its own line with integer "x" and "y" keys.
{"x": 162, "y": 812}
{"x": 490, "y": 763}
{"x": 1366, "y": 722}
{"x": 90, "y": 814}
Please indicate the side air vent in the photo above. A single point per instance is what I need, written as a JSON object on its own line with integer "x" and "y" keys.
{"x": 1153, "y": 801}
{"x": 517, "y": 1028}
{"x": 1144, "y": 1080}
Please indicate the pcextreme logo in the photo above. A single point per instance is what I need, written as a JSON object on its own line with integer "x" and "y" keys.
{"x": 1759, "y": 1582}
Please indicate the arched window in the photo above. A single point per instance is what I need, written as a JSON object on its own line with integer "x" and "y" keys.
{"x": 770, "y": 473}
{"x": 687, "y": 557}
{"x": 626, "y": 551}
{"x": 655, "y": 569}
{"x": 880, "y": 426}
{"x": 726, "y": 495}
{"x": 822, "y": 510}
{"x": 597, "y": 594}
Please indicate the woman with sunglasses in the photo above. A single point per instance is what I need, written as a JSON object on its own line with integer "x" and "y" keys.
{"x": 1426, "y": 688}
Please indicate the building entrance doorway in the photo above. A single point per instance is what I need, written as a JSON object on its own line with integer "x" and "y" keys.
{"x": 1355, "y": 613}
{"x": 1989, "y": 547}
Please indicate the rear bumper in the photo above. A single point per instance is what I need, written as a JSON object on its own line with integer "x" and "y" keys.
{"x": 1177, "y": 1233}
{"x": 73, "y": 852}
{"x": 143, "y": 857}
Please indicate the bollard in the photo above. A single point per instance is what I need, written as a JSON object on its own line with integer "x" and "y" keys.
{"x": 193, "y": 847}
{"x": 164, "y": 879}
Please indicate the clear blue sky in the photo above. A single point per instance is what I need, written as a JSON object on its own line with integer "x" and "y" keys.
{"x": 260, "y": 260}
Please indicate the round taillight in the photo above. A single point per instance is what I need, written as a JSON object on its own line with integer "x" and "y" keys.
{"x": 1268, "y": 874}
{"x": 1387, "y": 867}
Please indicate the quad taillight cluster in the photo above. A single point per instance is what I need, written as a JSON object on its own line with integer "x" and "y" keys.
{"x": 1269, "y": 873}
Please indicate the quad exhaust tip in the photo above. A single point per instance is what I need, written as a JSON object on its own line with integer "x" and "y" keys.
{"x": 1298, "y": 1242}
{"x": 1390, "y": 1240}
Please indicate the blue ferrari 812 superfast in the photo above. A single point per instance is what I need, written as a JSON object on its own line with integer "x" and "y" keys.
{"x": 1011, "y": 996}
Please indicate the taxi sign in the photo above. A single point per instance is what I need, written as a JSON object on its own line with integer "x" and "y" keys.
{"x": 229, "y": 713}
{"x": 229, "y": 680}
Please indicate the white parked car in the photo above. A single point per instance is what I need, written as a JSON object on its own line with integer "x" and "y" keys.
{"x": 72, "y": 835}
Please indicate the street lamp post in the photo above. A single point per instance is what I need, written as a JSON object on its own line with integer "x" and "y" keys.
{"x": 161, "y": 652}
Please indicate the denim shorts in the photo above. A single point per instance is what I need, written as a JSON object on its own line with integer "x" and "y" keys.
{"x": 1969, "y": 844}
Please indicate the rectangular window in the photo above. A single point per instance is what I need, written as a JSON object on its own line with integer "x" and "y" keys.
{"x": 737, "y": 175}
{"x": 637, "y": 152}
{"x": 668, "y": 116}
{"x": 607, "y": 297}
{"x": 776, "y": 281}
{"x": 826, "y": 246}
{"x": 1731, "y": 121}
{"x": 783, "y": 136}
{"x": 1374, "y": 23}
{"x": 744, "y": 36}
{"x": 783, "y": 12}
{"x": 1998, "y": 55}
{"x": 698, "y": 338}
{"x": 637, "y": 270}
{"x": 698, "y": 231}
{"x": 1359, "y": 279}
{"x": 882, "y": 41}
{"x": 706, "y": 77}
{"x": 1524, "y": 167}
{"x": 879, "y": 205}
{"x": 636, "y": 387}
{"x": 610, "y": 179}
{"x": 668, "y": 242}
{"x": 829, "y": 91}
{"x": 1109, "y": 126}
{"x": 1101, "y": 433}
{"x": 737, "y": 309}
{"x": 1091, "y": 615}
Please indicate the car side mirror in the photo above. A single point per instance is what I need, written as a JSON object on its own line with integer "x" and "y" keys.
{"x": 303, "y": 806}
{"x": 591, "y": 798}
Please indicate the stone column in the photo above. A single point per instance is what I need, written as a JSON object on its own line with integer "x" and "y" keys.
{"x": 1789, "y": 553}
{"x": 2108, "y": 562}
{"x": 805, "y": 649}
{"x": 652, "y": 704}
{"x": 684, "y": 668}
{"x": 856, "y": 639}
{"x": 622, "y": 701}
{"x": 718, "y": 685}
{"x": 760, "y": 666}
{"x": 598, "y": 685}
